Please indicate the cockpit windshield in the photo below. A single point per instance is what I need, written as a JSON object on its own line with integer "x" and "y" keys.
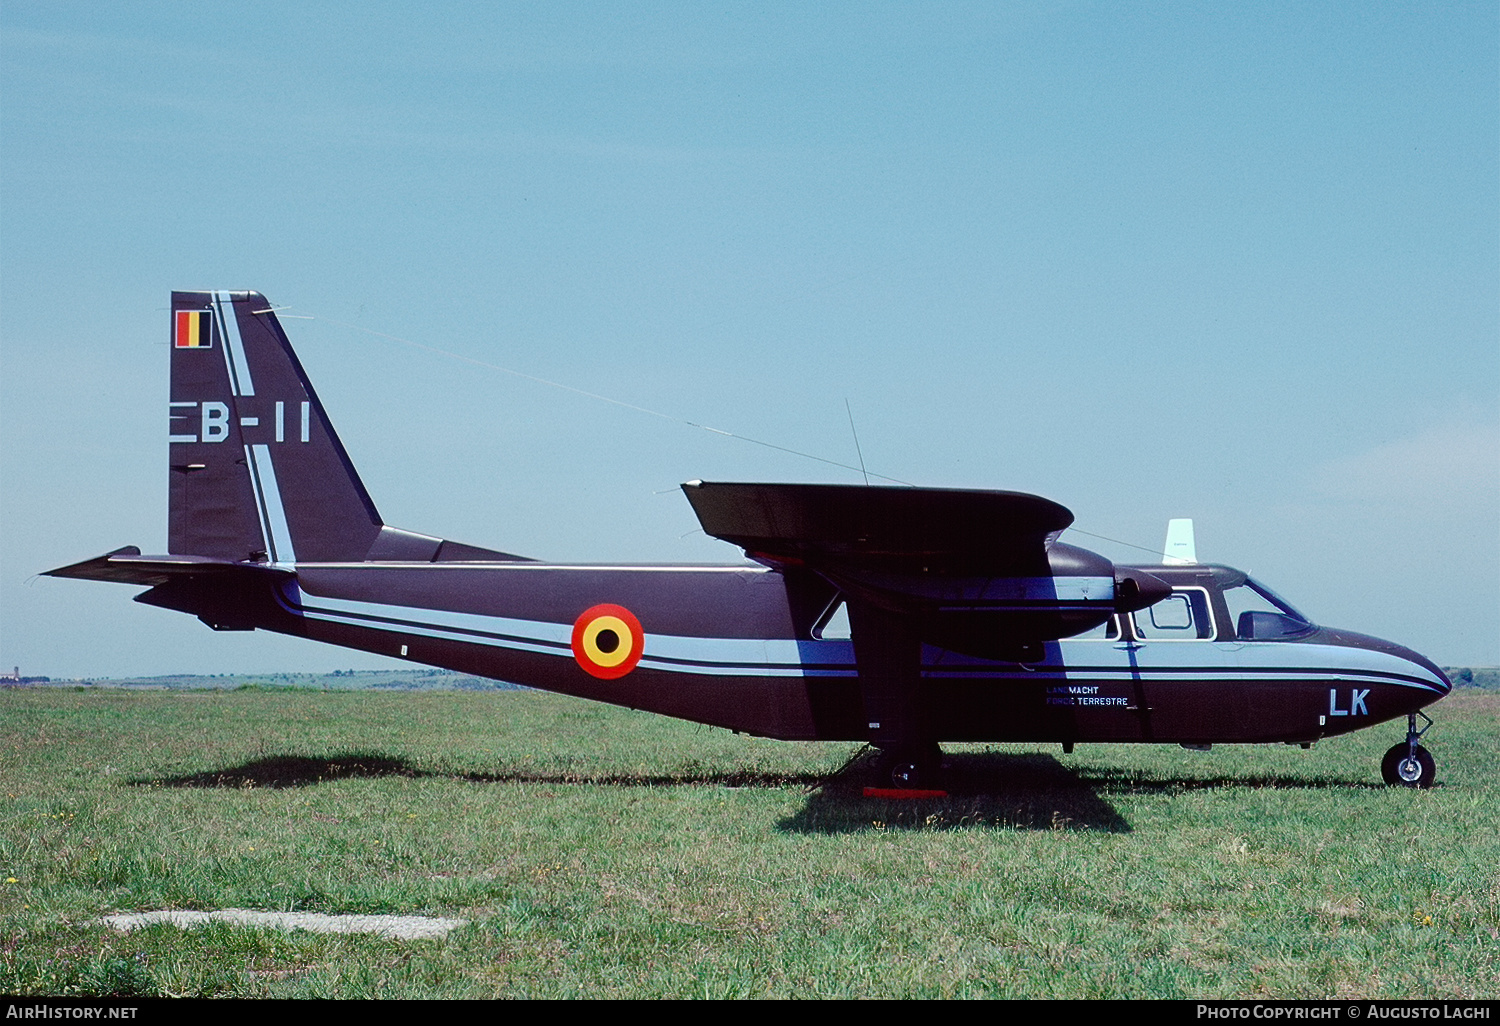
{"x": 1259, "y": 614}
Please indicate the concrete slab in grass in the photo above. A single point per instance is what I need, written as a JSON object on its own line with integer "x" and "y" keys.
{"x": 397, "y": 927}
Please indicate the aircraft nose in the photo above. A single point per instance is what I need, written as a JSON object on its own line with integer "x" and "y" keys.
{"x": 1425, "y": 668}
{"x": 1442, "y": 678}
{"x": 1438, "y": 678}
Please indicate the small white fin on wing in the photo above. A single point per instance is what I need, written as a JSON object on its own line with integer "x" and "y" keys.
{"x": 1180, "y": 549}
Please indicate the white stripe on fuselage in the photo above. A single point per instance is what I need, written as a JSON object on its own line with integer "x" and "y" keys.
{"x": 764, "y": 656}
{"x": 1067, "y": 660}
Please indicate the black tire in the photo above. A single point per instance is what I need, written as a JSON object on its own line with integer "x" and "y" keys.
{"x": 909, "y": 769}
{"x": 1407, "y": 767}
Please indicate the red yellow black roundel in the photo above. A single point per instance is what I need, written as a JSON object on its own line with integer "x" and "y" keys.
{"x": 608, "y": 641}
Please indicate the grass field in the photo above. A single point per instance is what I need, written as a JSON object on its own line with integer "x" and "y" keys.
{"x": 603, "y": 853}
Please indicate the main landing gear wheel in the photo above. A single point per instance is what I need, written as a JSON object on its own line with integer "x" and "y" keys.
{"x": 1408, "y": 766}
{"x": 910, "y": 769}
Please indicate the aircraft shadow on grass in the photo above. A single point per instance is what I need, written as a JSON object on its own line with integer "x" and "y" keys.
{"x": 985, "y": 790}
{"x": 292, "y": 771}
{"x": 1027, "y": 791}
{"x": 305, "y": 771}
{"x": 1035, "y": 791}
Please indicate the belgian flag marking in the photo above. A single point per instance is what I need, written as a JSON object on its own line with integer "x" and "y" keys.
{"x": 193, "y": 329}
{"x": 608, "y": 641}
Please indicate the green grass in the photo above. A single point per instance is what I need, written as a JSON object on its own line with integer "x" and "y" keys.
{"x": 604, "y": 853}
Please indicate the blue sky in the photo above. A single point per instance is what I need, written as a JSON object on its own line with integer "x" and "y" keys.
{"x": 1233, "y": 262}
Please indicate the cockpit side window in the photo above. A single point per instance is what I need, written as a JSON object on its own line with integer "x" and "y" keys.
{"x": 1259, "y": 614}
{"x": 1182, "y": 616}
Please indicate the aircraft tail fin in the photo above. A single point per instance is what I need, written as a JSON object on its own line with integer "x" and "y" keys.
{"x": 257, "y": 472}
{"x": 1180, "y": 548}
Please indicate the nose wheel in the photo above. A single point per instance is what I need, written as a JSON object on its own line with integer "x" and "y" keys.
{"x": 1408, "y": 764}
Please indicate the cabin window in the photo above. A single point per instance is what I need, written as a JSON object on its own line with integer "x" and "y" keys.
{"x": 1182, "y": 616}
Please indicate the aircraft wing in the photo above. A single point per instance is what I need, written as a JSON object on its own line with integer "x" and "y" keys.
{"x": 976, "y": 571}
{"x": 922, "y": 530}
{"x": 970, "y": 571}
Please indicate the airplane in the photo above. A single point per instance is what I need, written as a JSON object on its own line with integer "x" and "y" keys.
{"x": 903, "y": 617}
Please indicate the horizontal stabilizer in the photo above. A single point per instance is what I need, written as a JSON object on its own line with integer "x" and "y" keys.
{"x": 128, "y": 566}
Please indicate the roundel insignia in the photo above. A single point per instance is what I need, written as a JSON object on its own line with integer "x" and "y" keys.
{"x": 608, "y": 641}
